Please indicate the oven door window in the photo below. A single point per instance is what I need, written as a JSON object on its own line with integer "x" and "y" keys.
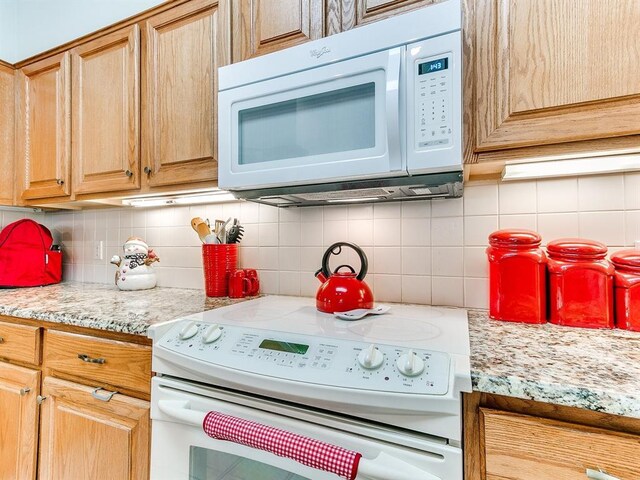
{"x": 207, "y": 464}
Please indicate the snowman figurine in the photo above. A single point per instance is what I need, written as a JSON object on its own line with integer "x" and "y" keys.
{"x": 134, "y": 270}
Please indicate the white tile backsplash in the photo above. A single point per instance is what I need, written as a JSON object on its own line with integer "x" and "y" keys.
{"x": 517, "y": 197}
{"x": 419, "y": 252}
{"x": 601, "y": 192}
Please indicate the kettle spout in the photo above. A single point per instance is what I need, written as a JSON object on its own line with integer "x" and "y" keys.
{"x": 320, "y": 276}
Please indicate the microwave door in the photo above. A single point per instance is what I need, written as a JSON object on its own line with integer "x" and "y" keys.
{"x": 330, "y": 123}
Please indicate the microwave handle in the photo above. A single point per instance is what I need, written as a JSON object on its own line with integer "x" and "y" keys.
{"x": 382, "y": 467}
{"x": 394, "y": 65}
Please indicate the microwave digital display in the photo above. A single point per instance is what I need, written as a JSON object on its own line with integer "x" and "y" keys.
{"x": 433, "y": 66}
{"x": 281, "y": 346}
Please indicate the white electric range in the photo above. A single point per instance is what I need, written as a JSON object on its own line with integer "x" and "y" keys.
{"x": 388, "y": 387}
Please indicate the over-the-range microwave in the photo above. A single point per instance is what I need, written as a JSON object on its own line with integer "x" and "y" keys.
{"x": 371, "y": 114}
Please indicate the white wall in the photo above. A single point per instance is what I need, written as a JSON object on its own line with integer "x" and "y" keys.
{"x": 8, "y": 29}
{"x": 39, "y": 25}
{"x": 430, "y": 252}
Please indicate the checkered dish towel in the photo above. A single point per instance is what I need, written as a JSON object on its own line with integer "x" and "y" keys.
{"x": 310, "y": 452}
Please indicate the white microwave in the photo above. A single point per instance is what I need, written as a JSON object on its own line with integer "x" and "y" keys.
{"x": 370, "y": 114}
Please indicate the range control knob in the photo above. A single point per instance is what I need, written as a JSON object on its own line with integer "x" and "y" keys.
{"x": 188, "y": 331}
{"x": 212, "y": 333}
{"x": 410, "y": 364}
{"x": 371, "y": 358}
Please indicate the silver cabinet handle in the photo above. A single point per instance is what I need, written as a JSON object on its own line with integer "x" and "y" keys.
{"x": 88, "y": 359}
{"x": 147, "y": 170}
{"x": 59, "y": 181}
{"x": 24, "y": 391}
{"x": 599, "y": 475}
{"x": 1, "y": 340}
{"x": 105, "y": 397}
{"x": 129, "y": 173}
{"x": 40, "y": 399}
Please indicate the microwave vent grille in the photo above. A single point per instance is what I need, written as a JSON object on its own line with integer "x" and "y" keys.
{"x": 344, "y": 194}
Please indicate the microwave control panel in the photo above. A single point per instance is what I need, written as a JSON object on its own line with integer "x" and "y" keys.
{"x": 434, "y": 102}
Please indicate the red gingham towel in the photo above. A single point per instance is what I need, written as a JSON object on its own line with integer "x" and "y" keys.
{"x": 310, "y": 452}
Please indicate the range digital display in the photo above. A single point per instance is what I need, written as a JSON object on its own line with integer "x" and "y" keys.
{"x": 280, "y": 346}
{"x": 433, "y": 66}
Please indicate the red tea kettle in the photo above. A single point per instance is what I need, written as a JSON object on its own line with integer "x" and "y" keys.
{"x": 343, "y": 291}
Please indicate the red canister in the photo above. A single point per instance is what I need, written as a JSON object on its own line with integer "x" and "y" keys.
{"x": 627, "y": 289}
{"x": 580, "y": 284}
{"x": 517, "y": 276}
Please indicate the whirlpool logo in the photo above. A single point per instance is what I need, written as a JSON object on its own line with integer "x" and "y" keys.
{"x": 318, "y": 53}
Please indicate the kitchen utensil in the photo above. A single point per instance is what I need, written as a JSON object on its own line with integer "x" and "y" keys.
{"x": 359, "y": 313}
{"x": 201, "y": 227}
{"x": 517, "y": 276}
{"x": 343, "y": 291}
{"x": 235, "y": 233}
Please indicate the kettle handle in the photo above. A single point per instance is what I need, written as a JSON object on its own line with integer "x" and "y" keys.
{"x": 335, "y": 249}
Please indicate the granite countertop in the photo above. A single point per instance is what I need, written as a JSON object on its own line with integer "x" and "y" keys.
{"x": 577, "y": 367}
{"x": 592, "y": 369}
{"x": 104, "y": 307}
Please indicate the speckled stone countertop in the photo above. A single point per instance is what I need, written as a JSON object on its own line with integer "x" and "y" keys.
{"x": 104, "y": 307}
{"x": 577, "y": 367}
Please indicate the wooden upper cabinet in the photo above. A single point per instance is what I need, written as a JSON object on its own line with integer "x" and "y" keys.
{"x": 44, "y": 128}
{"x": 347, "y": 14}
{"x": 264, "y": 26}
{"x": 552, "y": 72}
{"x": 105, "y": 113}
{"x": 84, "y": 437}
{"x": 7, "y": 134}
{"x": 179, "y": 99}
{"x": 19, "y": 388}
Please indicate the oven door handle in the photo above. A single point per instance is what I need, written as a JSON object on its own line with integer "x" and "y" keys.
{"x": 382, "y": 467}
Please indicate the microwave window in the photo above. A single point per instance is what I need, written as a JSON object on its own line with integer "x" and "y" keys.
{"x": 335, "y": 121}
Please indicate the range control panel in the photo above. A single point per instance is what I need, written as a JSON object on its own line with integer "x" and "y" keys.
{"x": 312, "y": 359}
{"x": 434, "y": 102}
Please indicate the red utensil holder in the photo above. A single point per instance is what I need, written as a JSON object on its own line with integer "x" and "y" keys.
{"x": 627, "y": 289}
{"x": 580, "y": 284}
{"x": 218, "y": 260}
{"x": 517, "y": 277}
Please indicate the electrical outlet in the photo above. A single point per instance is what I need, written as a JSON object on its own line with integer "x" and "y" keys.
{"x": 98, "y": 250}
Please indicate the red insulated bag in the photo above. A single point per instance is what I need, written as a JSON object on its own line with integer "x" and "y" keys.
{"x": 26, "y": 258}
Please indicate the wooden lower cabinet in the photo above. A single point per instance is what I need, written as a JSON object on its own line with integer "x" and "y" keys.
{"x": 511, "y": 439}
{"x": 83, "y": 437}
{"x": 19, "y": 388}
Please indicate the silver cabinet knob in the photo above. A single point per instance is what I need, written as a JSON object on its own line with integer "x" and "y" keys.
{"x": 40, "y": 399}
{"x": 147, "y": 170}
{"x": 24, "y": 391}
{"x": 59, "y": 181}
{"x": 129, "y": 173}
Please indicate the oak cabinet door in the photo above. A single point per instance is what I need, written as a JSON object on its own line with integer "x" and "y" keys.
{"x": 179, "y": 106}
{"x": 44, "y": 128}
{"x": 105, "y": 113}
{"x": 18, "y": 421}
{"x": 346, "y": 14}
{"x": 264, "y": 26}
{"x": 83, "y": 437}
{"x": 554, "y": 72}
{"x": 7, "y": 135}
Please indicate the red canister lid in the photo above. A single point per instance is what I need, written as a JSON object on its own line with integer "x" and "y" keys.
{"x": 576, "y": 249}
{"x": 627, "y": 259}
{"x": 515, "y": 238}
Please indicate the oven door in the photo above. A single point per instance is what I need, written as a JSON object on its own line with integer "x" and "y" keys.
{"x": 181, "y": 448}
{"x": 338, "y": 121}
